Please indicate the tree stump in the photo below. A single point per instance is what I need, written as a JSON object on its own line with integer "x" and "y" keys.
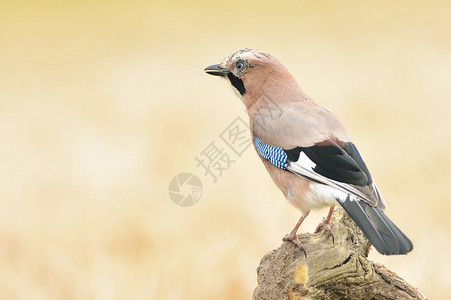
{"x": 337, "y": 270}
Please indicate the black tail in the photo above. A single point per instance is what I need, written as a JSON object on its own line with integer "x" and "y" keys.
{"x": 380, "y": 231}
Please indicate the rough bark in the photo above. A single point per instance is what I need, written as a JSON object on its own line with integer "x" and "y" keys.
{"x": 337, "y": 270}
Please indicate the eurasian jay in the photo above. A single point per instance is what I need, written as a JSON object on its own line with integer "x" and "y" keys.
{"x": 306, "y": 150}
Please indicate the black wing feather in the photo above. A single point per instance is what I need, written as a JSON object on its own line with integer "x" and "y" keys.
{"x": 352, "y": 151}
{"x": 336, "y": 163}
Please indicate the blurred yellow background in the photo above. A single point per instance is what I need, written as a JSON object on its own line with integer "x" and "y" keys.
{"x": 103, "y": 102}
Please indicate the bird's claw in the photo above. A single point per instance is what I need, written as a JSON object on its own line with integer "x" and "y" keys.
{"x": 294, "y": 238}
{"x": 324, "y": 225}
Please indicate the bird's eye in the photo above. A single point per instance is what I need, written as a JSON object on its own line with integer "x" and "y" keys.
{"x": 240, "y": 66}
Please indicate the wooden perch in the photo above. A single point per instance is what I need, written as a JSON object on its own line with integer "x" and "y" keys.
{"x": 330, "y": 271}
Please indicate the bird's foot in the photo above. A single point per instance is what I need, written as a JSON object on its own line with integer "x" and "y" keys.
{"x": 294, "y": 238}
{"x": 325, "y": 225}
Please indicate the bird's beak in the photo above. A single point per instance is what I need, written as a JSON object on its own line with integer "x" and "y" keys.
{"x": 216, "y": 70}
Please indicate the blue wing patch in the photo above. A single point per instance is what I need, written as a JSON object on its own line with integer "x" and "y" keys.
{"x": 274, "y": 155}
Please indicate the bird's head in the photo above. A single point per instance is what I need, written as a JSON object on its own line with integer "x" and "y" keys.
{"x": 253, "y": 73}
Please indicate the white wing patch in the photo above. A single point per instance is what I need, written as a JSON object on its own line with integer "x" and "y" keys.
{"x": 305, "y": 162}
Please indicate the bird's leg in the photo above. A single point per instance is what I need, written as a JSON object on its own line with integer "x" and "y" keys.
{"x": 292, "y": 236}
{"x": 325, "y": 224}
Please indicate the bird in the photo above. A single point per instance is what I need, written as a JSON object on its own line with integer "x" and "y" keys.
{"x": 307, "y": 151}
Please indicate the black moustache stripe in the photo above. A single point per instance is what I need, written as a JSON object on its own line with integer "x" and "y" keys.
{"x": 237, "y": 83}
